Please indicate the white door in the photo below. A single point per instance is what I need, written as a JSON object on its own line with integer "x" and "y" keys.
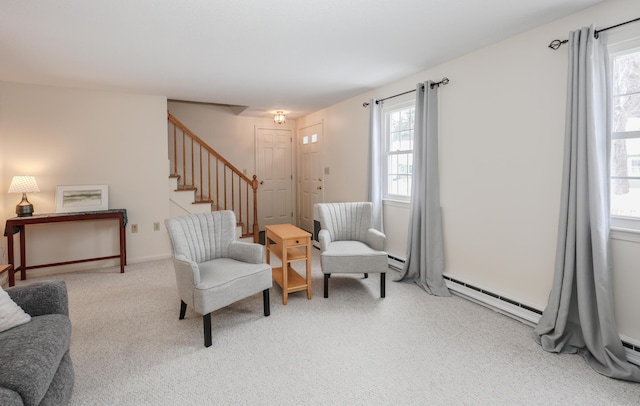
{"x": 275, "y": 176}
{"x": 310, "y": 173}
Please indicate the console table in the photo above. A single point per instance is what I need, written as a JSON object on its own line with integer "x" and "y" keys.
{"x": 18, "y": 225}
{"x": 289, "y": 243}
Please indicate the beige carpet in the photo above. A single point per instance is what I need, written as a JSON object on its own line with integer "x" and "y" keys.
{"x": 129, "y": 348}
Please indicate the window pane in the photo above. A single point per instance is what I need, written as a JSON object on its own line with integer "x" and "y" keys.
{"x": 399, "y": 174}
{"x": 625, "y": 184}
{"x": 406, "y": 119}
{"x": 406, "y": 140}
{"x": 394, "y": 122}
{"x": 626, "y": 113}
{"x": 626, "y": 73}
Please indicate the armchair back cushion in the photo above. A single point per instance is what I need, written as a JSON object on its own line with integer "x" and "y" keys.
{"x": 346, "y": 221}
{"x": 202, "y": 237}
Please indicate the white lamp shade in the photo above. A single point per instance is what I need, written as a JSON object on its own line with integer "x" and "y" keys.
{"x": 23, "y": 184}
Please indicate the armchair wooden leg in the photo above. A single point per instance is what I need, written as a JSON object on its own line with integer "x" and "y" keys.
{"x": 206, "y": 320}
{"x": 183, "y": 309}
{"x": 265, "y": 300}
{"x": 366, "y": 275}
{"x": 382, "y": 284}
{"x": 326, "y": 285}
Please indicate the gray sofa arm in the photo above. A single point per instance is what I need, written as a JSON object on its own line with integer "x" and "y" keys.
{"x": 39, "y": 298}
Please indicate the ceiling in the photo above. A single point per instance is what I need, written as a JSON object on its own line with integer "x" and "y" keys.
{"x": 266, "y": 55}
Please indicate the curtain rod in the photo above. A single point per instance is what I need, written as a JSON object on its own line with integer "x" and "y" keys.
{"x": 555, "y": 44}
{"x": 443, "y": 82}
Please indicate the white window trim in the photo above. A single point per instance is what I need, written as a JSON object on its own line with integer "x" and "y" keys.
{"x": 383, "y": 133}
{"x": 621, "y": 41}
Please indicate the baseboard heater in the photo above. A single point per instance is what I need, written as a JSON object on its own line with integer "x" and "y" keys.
{"x": 395, "y": 263}
{"x": 511, "y": 308}
{"x": 502, "y": 304}
{"x": 519, "y": 311}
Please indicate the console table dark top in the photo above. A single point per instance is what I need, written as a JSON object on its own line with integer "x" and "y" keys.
{"x": 59, "y": 217}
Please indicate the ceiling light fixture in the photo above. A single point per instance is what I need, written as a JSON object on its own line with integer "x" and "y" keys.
{"x": 279, "y": 118}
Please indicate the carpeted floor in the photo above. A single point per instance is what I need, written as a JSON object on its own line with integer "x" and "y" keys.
{"x": 129, "y": 348}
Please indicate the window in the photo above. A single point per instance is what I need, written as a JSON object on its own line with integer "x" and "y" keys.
{"x": 625, "y": 138}
{"x": 397, "y": 130}
{"x": 314, "y": 139}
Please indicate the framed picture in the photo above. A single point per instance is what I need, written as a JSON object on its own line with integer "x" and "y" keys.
{"x": 82, "y": 198}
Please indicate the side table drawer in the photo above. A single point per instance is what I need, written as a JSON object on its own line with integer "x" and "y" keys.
{"x": 296, "y": 242}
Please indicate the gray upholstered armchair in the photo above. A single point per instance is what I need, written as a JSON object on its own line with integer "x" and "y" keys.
{"x": 349, "y": 243}
{"x": 213, "y": 269}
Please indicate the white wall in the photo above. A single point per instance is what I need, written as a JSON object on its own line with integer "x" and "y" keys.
{"x": 501, "y": 144}
{"x": 68, "y": 137}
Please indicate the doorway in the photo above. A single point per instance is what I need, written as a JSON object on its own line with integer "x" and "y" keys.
{"x": 275, "y": 176}
{"x": 310, "y": 174}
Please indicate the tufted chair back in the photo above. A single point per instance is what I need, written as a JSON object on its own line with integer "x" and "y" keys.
{"x": 202, "y": 237}
{"x": 346, "y": 221}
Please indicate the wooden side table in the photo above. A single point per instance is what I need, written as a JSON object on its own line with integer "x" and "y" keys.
{"x": 290, "y": 244}
{"x": 9, "y": 269}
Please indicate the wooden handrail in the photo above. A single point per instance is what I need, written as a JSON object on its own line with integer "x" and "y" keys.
{"x": 191, "y": 176}
{"x": 207, "y": 147}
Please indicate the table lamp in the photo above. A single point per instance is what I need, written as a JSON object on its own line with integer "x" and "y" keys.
{"x": 24, "y": 184}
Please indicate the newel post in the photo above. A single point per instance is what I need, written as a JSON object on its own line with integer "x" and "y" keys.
{"x": 256, "y": 229}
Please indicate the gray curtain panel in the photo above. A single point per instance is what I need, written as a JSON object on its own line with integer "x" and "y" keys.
{"x": 425, "y": 252}
{"x": 374, "y": 186}
{"x": 579, "y": 317}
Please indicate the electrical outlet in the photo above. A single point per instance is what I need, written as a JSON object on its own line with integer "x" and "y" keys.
{"x": 156, "y": 226}
{"x": 134, "y": 228}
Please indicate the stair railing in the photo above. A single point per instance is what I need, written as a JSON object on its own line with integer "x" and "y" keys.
{"x": 216, "y": 181}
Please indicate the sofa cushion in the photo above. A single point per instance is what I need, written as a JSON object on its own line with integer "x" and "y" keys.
{"x": 31, "y": 354}
{"x": 11, "y": 314}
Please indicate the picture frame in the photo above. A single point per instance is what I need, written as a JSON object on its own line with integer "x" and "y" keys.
{"x": 75, "y": 198}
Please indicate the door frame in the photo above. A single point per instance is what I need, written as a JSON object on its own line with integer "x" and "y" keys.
{"x": 292, "y": 169}
{"x": 297, "y": 186}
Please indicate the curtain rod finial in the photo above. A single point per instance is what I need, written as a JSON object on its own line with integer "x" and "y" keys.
{"x": 555, "y": 44}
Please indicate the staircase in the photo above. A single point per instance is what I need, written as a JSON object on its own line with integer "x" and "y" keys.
{"x": 202, "y": 180}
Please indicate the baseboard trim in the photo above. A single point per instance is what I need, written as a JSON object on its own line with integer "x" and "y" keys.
{"x": 521, "y": 312}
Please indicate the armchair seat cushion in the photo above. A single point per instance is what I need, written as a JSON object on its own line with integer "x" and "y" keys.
{"x": 224, "y": 281}
{"x": 352, "y": 257}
